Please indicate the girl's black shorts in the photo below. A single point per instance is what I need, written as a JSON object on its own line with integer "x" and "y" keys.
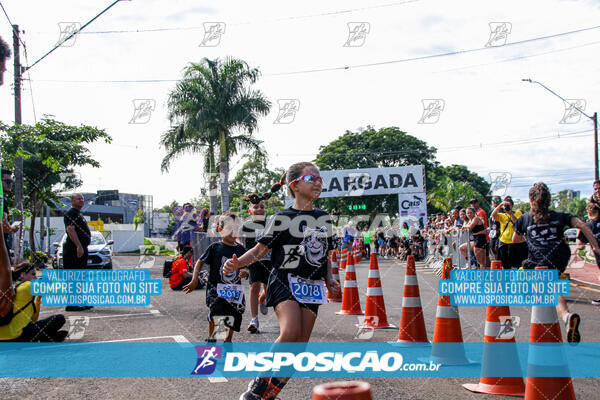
{"x": 278, "y": 290}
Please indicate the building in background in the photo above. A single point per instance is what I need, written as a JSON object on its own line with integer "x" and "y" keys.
{"x": 573, "y": 194}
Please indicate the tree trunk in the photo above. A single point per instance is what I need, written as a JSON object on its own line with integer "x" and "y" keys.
{"x": 42, "y": 230}
{"x": 212, "y": 180}
{"x": 32, "y": 230}
{"x": 224, "y": 170}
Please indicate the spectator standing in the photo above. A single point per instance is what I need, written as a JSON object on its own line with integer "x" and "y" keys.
{"x": 510, "y": 254}
{"x": 494, "y": 229}
{"x": 8, "y": 229}
{"x": 75, "y": 248}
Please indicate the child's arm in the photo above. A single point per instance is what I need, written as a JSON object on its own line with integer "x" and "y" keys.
{"x": 253, "y": 255}
{"x": 189, "y": 288}
{"x": 587, "y": 232}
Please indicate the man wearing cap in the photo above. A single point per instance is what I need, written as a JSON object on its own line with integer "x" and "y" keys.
{"x": 494, "y": 229}
{"x": 510, "y": 253}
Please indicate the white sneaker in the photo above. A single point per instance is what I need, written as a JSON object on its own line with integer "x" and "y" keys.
{"x": 253, "y": 327}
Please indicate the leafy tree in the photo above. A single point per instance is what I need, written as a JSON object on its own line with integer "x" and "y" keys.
{"x": 461, "y": 173}
{"x": 138, "y": 219}
{"x": 563, "y": 203}
{"x": 213, "y": 108}
{"x": 372, "y": 148}
{"x": 50, "y": 150}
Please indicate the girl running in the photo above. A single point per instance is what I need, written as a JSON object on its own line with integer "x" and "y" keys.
{"x": 259, "y": 271}
{"x": 300, "y": 239}
{"x": 224, "y": 291}
{"x": 543, "y": 230}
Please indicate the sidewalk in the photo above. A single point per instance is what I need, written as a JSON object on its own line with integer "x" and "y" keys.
{"x": 583, "y": 271}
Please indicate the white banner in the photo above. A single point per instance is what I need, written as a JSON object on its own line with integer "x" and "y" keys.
{"x": 373, "y": 181}
{"x": 413, "y": 206}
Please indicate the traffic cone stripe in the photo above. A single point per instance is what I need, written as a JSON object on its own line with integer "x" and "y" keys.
{"x": 411, "y": 280}
{"x": 492, "y": 329}
{"x": 350, "y": 284}
{"x": 374, "y": 273}
{"x": 374, "y": 291}
{"x": 543, "y": 315}
{"x": 447, "y": 312}
{"x": 411, "y": 302}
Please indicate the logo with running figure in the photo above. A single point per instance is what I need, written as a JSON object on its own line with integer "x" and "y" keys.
{"x": 142, "y": 110}
{"x": 573, "y": 109}
{"x": 66, "y": 30}
{"x": 508, "y": 326}
{"x": 432, "y": 109}
{"x": 499, "y": 32}
{"x": 357, "y": 33}
{"x": 207, "y": 359}
{"x": 212, "y": 34}
{"x": 287, "y": 111}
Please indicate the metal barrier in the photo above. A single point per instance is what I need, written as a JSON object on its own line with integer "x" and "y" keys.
{"x": 447, "y": 245}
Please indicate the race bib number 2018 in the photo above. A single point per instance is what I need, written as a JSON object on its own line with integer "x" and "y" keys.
{"x": 231, "y": 293}
{"x": 307, "y": 291}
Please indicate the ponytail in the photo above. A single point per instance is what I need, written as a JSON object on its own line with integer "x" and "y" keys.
{"x": 256, "y": 198}
{"x": 540, "y": 196}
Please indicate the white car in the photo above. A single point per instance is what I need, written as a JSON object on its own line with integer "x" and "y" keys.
{"x": 571, "y": 234}
{"x": 99, "y": 252}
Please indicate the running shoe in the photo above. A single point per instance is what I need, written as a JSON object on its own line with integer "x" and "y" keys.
{"x": 573, "y": 322}
{"x": 263, "y": 306}
{"x": 253, "y": 327}
{"x": 273, "y": 389}
{"x": 256, "y": 389}
{"x": 596, "y": 302}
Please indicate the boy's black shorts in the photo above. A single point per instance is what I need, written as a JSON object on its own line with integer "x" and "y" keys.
{"x": 221, "y": 307}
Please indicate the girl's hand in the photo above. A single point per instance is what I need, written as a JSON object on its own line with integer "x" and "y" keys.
{"x": 243, "y": 274}
{"x": 334, "y": 287}
{"x": 231, "y": 265}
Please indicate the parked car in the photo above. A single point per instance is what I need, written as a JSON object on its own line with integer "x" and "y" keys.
{"x": 99, "y": 252}
{"x": 571, "y": 234}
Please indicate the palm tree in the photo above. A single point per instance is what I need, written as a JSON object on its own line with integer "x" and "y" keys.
{"x": 449, "y": 193}
{"x": 213, "y": 108}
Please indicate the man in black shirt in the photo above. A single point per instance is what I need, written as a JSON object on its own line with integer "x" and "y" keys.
{"x": 75, "y": 248}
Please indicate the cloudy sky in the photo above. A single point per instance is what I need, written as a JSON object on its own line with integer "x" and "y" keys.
{"x": 409, "y": 53}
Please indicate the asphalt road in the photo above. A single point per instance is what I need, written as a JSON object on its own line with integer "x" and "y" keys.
{"x": 174, "y": 315}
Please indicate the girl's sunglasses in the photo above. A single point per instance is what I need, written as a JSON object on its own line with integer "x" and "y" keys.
{"x": 309, "y": 178}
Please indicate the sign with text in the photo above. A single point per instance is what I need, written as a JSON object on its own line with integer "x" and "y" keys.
{"x": 373, "y": 181}
{"x": 413, "y": 206}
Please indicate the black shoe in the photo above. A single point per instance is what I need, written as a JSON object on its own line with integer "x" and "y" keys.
{"x": 596, "y": 302}
{"x": 88, "y": 307}
{"x": 75, "y": 308}
{"x": 211, "y": 340}
{"x": 60, "y": 336}
{"x": 573, "y": 335}
{"x": 256, "y": 389}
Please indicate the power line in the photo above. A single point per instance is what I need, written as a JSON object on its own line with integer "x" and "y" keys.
{"x": 11, "y": 24}
{"x": 71, "y": 35}
{"x": 404, "y": 60}
{"x": 289, "y": 18}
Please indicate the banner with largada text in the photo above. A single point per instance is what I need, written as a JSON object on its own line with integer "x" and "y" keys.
{"x": 373, "y": 181}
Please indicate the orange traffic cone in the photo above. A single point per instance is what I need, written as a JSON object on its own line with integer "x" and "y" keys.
{"x": 343, "y": 390}
{"x": 507, "y": 355}
{"x": 447, "y": 329}
{"x": 545, "y": 328}
{"x": 336, "y": 276}
{"x": 375, "y": 315}
{"x": 344, "y": 259}
{"x": 350, "y": 298}
{"x": 412, "y": 324}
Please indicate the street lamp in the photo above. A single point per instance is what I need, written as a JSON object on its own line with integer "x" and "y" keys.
{"x": 594, "y": 118}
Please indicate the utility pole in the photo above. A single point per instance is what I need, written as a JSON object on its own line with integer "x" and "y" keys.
{"x": 18, "y": 243}
{"x": 594, "y": 119}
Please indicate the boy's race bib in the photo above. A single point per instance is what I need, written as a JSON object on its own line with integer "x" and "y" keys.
{"x": 307, "y": 291}
{"x": 230, "y": 292}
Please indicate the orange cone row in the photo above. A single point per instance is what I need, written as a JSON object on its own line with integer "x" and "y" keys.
{"x": 350, "y": 297}
{"x": 336, "y": 276}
